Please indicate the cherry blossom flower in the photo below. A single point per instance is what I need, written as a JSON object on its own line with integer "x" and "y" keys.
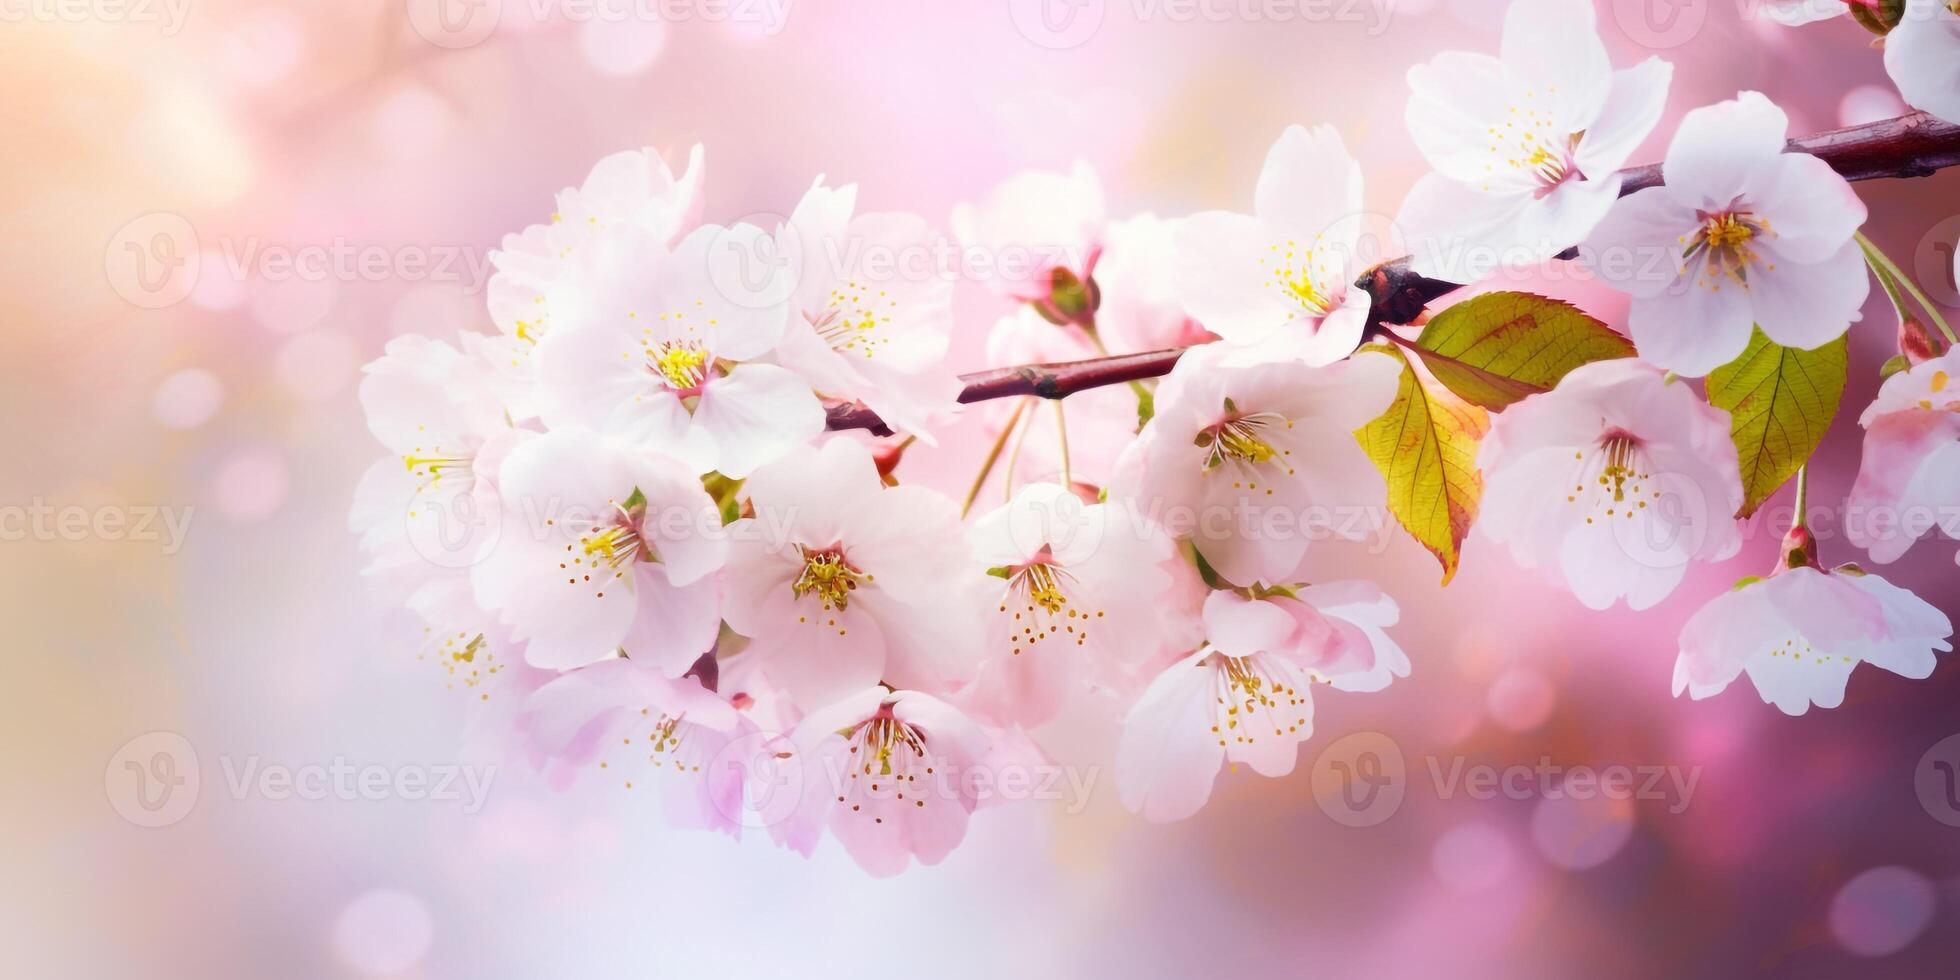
{"x": 1081, "y": 592}
{"x": 1036, "y": 238}
{"x": 1279, "y": 284}
{"x": 1909, "y": 480}
{"x": 437, "y": 412}
{"x": 1244, "y": 696}
{"x": 1799, "y": 633}
{"x": 635, "y": 189}
{"x": 870, "y": 317}
{"x": 1613, "y": 481}
{"x": 1742, "y": 233}
{"x": 644, "y": 728}
{"x": 651, "y": 348}
{"x": 1252, "y": 462}
{"x": 1922, "y": 54}
{"x": 889, "y": 773}
{"x": 1525, "y": 146}
{"x": 604, "y": 546}
{"x": 840, "y": 581}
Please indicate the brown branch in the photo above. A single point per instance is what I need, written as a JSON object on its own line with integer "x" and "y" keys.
{"x": 1912, "y": 145}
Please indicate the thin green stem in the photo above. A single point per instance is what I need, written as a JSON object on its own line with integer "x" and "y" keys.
{"x": 1013, "y": 457}
{"x": 1879, "y": 259}
{"x": 1061, "y": 437}
{"x": 1801, "y": 518}
{"x": 993, "y": 456}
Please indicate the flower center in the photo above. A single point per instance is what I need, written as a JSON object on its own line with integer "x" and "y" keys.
{"x": 829, "y": 577}
{"x": 1293, "y": 275}
{"x": 463, "y": 654}
{"x": 1528, "y": 140}
{"x": 1728, "y": 240}
{"x": 428, "y": 471}
{"x": 608, "y": 549}
{"x": 1040, "y": 605}
{"x": 669, "y": 744}
{"x": 1612, "y": 478}
{"x": 851, "y": 320}
{"x": 1259, "y": 692}
{"x": 1245, "y": 440}
{"x": 682, "y": 364}
{"x": 887, "y": 759}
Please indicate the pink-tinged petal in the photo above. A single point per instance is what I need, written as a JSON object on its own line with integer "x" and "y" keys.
{"x": 818, "y": 655}
{"x": 1339, "y": 332}
{"x": 1722, "y": 637}
{"x": 757, "y": 576}
{"x": 1169, "y": 753}
{"x": 597, "y": 378}
{"x": 1922, "y": 55}
{"x": 1461, "y": 232}
{"x": 1267, "y": 732}
{"x": 1225, "y": 276}
{"x": 675, "y": 624}
{"x": 949, "y": 733}
{"x": 1029, "y": 687}
{"x": 1793, "y": 681}
{"x": 1833, "y": 616}
{"x": 1310, "y": 186}
{"x": 1566, "y": 216}
{"x": 1692, "y": 329}
{"x": 1637, "y": 247}
{"x": 755, "y": 415}
{"x": 1554, "y": 46}
{"x": 1611, "y": 558}
{"x": 1720, "y": 152}
{"x": 1808, "y": 306}
{"x": 1631, "y": 111}
{"x": 728, "y": 287}
{"x": 1897, "y": 447}
{"x": 1811, "y": 211}
{"x": 1240, "y": 627}
{"x": 1914, "y": 628}
{"x": 1453, "y": 102}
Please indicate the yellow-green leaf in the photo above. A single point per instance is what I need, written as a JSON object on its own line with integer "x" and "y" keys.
{"x": 1426, "y": 448}
{"x": 1495, "y": 349}
{"x": 1780, "y": 400}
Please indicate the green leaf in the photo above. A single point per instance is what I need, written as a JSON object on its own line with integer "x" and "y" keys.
{"x": 1426, "y": 448}
{"x": 1780, "y": 400}
{"x": 1495, "y": 349}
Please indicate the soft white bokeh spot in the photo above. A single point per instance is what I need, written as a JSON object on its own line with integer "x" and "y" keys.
{"x": 187, "y": 399}
{"x": 250, "y": 485}
{"x": 1869, "y": 103}
{"x": 1521, "y": 699}
{"x": 383, "y": 932}
{"x": 317, "y": 364}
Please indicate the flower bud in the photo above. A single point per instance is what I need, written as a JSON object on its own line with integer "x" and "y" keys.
{"x": 1918, "y": 344}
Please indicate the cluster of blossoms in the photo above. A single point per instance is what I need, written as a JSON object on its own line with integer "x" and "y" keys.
{"x": 626, "y": 526}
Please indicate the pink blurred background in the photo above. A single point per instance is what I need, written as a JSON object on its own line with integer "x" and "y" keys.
{"x": 264, "y": 127}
